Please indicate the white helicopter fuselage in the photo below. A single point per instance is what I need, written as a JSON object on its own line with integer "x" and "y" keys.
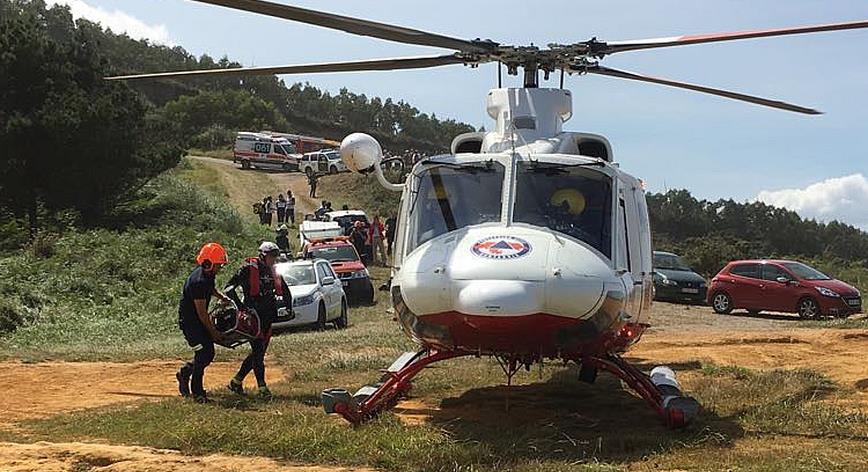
{"x": 526, "y": 241}
{"x": 508, "y": 286}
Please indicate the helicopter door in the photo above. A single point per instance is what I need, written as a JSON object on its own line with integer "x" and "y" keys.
{"x": 630, "y": 250}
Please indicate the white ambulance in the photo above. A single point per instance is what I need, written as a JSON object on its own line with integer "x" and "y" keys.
{"x": 265, "y": 151}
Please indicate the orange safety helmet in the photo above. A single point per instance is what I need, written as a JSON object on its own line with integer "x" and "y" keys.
{"x": 212, "y": 254}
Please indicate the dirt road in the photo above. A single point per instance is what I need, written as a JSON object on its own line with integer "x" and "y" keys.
{"x": 41, "y": 390}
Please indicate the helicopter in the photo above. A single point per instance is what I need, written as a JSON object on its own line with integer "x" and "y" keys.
{"x": 526, "y": 243}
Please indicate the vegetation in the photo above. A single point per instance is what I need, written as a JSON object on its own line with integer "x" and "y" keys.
{"x": 710, "y": 234}
{"x": 92, "y": 293}
{"x": 72, "y": 142}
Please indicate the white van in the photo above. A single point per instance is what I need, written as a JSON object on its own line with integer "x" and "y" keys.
{"x": 327, "y": 161}
{"x": 265, "y": 152}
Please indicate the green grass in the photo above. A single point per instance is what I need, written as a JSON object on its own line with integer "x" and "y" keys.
{"x": 555, "y": 423}
{"x": 112, "y": 293}
{"x": 217, "y": 153}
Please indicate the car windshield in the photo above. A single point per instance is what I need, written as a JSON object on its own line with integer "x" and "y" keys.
{"x": 335, "y": 253}
{"x": 449, "y": 196}
{"x": 333, "y": 155}
{"x": 805, "y": 272}
{"x": 670, "y": 262}
{"x": 298, "y": 275}
{"x": 288, "y": 148}
{"x": 569, "y": 199}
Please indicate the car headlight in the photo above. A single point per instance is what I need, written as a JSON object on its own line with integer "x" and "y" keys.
{"x": 666, "y": 281}
{"x": 827, "y": 293}
{"x": 300, "y": 301}
{"x": 360, "y": 274}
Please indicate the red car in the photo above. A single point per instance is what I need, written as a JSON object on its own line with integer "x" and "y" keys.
{"x": 778, "y": 285}
{"x": 347, "y": 265}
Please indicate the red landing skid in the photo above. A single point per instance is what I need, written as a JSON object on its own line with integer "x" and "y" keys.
{"x": 660, "y": 390}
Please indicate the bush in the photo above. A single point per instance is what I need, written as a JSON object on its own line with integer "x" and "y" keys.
{"x": 11, "y": 316}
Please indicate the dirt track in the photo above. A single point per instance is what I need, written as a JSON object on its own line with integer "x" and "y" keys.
{"x": 40, "y": 390}
{"x": 69, "y": 457}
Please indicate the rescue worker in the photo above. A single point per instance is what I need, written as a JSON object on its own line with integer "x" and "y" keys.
{"x": 261, "y": 286}
{"x": 391, "y": 223}
{"x": 195, "y": 322}
{"x": 375, "y": 240}
{"x": 358, "y": 235}
{"x": 290, "y": 207}
{"x": 282, "y": 239}
{"x": 322, "y": 210}
{"x": 281, "y": 209}
{"x": 311, "y": 181}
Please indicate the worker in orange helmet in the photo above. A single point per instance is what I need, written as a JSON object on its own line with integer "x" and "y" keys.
{"x": 195, "y": 322}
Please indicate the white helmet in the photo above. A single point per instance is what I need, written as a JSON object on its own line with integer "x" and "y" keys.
{"x": 268, "y": 247}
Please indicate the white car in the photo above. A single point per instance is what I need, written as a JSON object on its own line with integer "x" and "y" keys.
{"x": 322, "y": 162}
{"x": 317, "y": 295}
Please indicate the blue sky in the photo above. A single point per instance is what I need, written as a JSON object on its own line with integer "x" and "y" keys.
{"x": 713, "y": 147}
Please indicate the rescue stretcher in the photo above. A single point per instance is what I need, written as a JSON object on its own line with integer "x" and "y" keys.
{"x": 237, "y": 325}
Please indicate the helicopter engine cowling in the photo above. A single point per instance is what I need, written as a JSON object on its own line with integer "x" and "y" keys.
{"x": 361, "y": 152}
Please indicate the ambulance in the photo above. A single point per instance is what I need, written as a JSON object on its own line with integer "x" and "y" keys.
{"x": 265, "y": 151}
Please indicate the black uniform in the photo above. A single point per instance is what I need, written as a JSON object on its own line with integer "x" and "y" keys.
{"x": 199, "y": 286}
{"x": 264, "y": 301}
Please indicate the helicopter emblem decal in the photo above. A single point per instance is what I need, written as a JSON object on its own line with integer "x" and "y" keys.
{"x": 501, "y": 247}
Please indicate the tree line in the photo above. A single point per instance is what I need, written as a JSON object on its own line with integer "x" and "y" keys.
{"x": 711, "y": 233}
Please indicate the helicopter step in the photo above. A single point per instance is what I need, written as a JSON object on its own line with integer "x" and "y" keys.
{"x": 369, "y": 400}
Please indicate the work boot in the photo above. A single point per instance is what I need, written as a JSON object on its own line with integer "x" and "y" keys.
{"x": 183, "y": 377}
{"x": 236, "y": 387}
{"x": 264, "y": 392}
{"x": 201, "y": 398}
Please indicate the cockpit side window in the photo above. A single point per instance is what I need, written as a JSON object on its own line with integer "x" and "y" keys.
{"x": 572, "y": 200}
{"x": 447, "y": 197}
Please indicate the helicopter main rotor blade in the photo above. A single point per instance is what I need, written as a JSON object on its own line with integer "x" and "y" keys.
{"x": 398, "y": 63}
{"x": 354, "y": 25}
{"x": 612, "y": 47}
{"x": 600, "y": 70}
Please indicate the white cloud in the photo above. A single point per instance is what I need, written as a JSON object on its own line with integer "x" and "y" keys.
{"x": 842, "y": 198}
{"x": 117, "y": 21}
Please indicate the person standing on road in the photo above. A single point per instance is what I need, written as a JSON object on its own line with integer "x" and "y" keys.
{"x": 281, "y": 209}
{"x": 195, "y": 322}
{"x": 311, "y": 181}
{"x": 290, "y": 207}
{"x": 262, "y": 287}
{"x": 269, "y": 210}
{"x": 390, "y": 233}
{"x": 376, "y": 239}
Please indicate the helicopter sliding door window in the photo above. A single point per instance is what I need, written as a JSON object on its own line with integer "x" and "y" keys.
{"x": 450, "y": 196}
{"x": 624, "y": 256}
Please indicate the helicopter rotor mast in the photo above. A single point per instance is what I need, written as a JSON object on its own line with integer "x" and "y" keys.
{"x": 577, "y": 58}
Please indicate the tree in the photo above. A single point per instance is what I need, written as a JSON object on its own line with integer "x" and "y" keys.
{"x": 70, "y": 139}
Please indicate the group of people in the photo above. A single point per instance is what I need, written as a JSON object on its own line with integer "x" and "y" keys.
{"x": 262, "y": 290}
{"x": 284, "y": 206}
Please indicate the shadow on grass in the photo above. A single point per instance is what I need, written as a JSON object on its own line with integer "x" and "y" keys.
{"x": 570, "y": 421}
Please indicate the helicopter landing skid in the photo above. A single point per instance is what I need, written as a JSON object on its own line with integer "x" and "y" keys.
{"x": 660, "y": 389}
{"x": 368, "y": 401}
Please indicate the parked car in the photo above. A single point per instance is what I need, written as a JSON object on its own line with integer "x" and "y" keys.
{"x": 675, "y": 281}
{"x": 264, "y": 151}
{"x": 346, "y": 218}
{"x": 346, "y": 263}
{"x": 317, "y": 297}
{"x": 325, "y": 161}
{"x": 781, "y": 285}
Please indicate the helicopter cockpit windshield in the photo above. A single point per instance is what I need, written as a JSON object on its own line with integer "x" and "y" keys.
{"x": 572, "y": 199}
{"x": 449, "y": 196}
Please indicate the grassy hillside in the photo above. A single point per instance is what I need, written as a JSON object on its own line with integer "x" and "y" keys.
{"x": 109, "y": 292}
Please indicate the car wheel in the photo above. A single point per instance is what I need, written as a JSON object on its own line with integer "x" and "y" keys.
{"x": 321, "y": 318}
{"x": 808, "y": 309}
{"x": 721, "y": 303}
{"x": 343, "y": 320}
{"x": 333, "y": 170}
{"x": 245, "y": 164}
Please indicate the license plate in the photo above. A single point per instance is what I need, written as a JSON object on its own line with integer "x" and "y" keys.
{"x": 853, "y": 302}
{"x": 690, "y": 290}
